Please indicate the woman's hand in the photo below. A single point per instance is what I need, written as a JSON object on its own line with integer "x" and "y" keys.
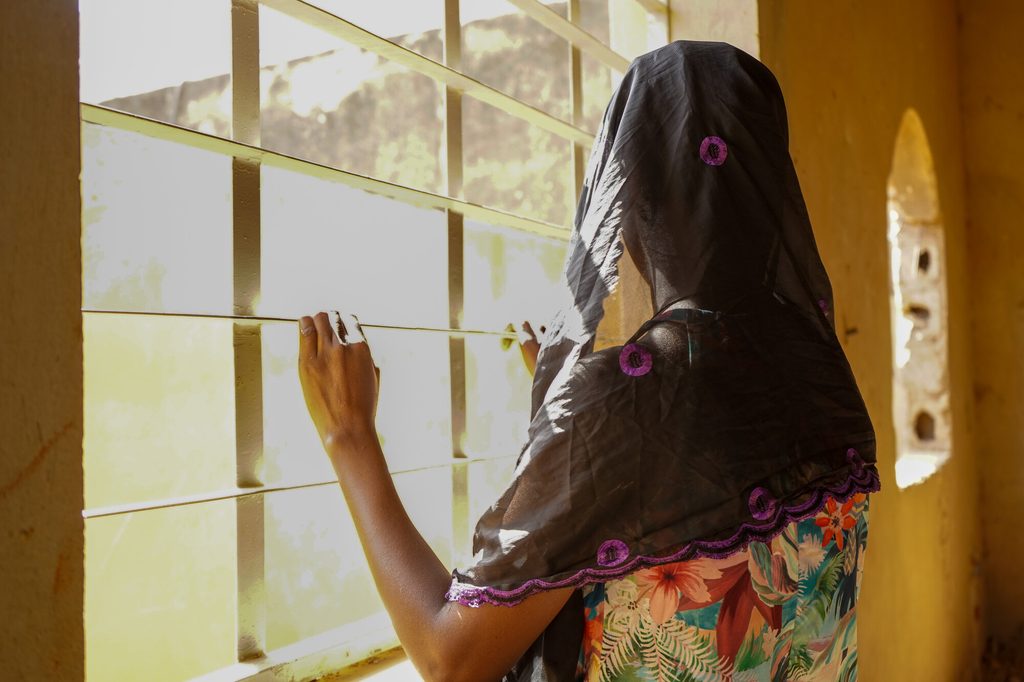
{"x": 529, "y": 344}
{"x": 338, "y": 377}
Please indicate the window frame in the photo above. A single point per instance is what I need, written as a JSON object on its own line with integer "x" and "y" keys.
{"x": 341, "y": 648}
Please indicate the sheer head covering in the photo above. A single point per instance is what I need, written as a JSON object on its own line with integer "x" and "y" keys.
{"x": 721, "y": 419}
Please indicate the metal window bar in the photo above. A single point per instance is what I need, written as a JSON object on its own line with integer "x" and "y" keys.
{"x": 308, "y": 658}
{"x": 452, "y": 38}
{"x": 446, "y": 74}
{"x": 100, "y": 115}
{"x": 579, "y": 160}
{"x": 251, "y": 611}
{"x": 243, "y": 492}
{"x": 565, "y": 28}
{"x": 256, "y": 319}
{"x": 656, "y": 7}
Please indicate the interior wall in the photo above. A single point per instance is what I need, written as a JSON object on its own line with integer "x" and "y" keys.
{"x": 849, "y": 72}
{"x": 41, "y": 530}
{"x": 992, "y": 95}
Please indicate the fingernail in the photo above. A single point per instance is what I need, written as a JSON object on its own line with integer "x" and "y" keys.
{"x": 305, "y": 324}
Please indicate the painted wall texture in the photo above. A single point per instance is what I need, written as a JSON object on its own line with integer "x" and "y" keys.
{"x": 992, "y": 96}
{"x": 41, "y": 532}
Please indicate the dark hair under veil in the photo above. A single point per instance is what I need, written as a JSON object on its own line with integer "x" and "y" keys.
{"x": 636, "y": 457}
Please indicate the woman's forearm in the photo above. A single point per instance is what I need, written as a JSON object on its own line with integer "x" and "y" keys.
{"x": 411, "y": 579}
{"x": 445, "y": 640}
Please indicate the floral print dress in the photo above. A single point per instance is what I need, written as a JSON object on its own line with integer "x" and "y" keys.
{"x": 781, "y": 610}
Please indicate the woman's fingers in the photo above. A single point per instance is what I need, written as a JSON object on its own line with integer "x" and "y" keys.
{"x": 338, "y": 376}
{"x": 526, "y": 333}
{"x": 527, "y": 329}
{"x": 325, "y": 334}
{"x": 329, "y": 328}
{"x": 307, "y": 338}
{"x": 528, "y": 344}
{"x": 354, "y": 338}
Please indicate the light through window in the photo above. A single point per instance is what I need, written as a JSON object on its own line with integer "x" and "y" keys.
{"x": 218, "y": 543}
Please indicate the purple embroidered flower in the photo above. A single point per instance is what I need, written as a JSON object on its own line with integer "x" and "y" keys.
{"x": 762, "y": 504}
{"x": 612, "y": 552}
{"x": 713, "y": 150}
{"x": 823, "y": 304}
{"x": 635, "y": 360}
{"x": 854, "y": 458}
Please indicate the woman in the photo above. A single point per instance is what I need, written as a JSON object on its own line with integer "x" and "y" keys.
{"x": 690, "y": 505}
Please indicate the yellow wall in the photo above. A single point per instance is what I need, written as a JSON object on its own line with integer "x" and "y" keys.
{"x": 40, "y": 344}
{"x": 992, "y": 95}
{"x": 849, "y": 72}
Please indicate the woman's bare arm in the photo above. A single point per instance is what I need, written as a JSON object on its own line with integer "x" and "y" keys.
{"x": 445, "y": 640}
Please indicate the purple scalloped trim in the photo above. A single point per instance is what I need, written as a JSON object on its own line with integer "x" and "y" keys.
{"x": 865, "y": 481}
